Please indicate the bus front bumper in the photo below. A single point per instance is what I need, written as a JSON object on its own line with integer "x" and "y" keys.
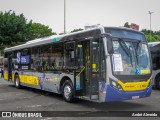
{"x": 113, "y": 94}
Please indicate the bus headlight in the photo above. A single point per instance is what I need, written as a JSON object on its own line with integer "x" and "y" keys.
{"x": 114, "y": 84}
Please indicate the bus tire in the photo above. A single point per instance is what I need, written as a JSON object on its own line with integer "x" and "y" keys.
{"x": 17, "y": 82}
{"x": 67, "y": 91}
{"x": 157, "y": 82}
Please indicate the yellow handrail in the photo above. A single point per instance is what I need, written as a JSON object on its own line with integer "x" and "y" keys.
{"x": 80, "y": 71}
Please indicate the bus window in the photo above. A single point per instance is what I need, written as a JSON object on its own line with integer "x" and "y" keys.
{"x": 56, "y": 59}
{"x": 5, "y": 61}
{"x": 35, "y": 59}
{"x": 69, "y": 56}
{"x": 46, "y": 58}
{"x": 25, "y": 55}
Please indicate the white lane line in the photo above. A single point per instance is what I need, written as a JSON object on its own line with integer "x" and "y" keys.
{"x": 33, "y": 106}
{"x": 47, "y": 119}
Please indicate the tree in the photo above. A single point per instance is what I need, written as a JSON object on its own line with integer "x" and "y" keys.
{"x": 37, "y": 30}
{"x": 16, "y": 29}
{"x": 76, "y": 30}
{"x": 13, "y": 28}
{"x": 155, "y": 35}
{"x": 126, "y": 25}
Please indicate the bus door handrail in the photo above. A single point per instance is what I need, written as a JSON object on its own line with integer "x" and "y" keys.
{"x": 81, "y": 71}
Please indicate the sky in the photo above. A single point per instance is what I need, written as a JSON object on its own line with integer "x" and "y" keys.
{"x": 86, "y": 12}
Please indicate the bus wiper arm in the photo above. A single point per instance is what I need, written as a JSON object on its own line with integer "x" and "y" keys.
{"x": 126, "y": 49}
{"x": 124, "y": 46}
{"x": 139, "y": 48}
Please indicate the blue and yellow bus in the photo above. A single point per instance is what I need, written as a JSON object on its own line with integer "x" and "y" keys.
{"x": 99, "y": 64}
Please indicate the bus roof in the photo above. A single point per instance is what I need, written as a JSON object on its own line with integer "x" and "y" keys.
{"x": 53, "y": 38}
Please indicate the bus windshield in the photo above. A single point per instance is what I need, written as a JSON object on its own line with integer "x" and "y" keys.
{"x": 129, "y": 58}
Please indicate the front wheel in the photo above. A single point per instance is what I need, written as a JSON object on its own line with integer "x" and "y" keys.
{"x": 17, "y": 81}
{"x": 67, "y": 91}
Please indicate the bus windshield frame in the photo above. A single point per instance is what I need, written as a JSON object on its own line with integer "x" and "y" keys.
{"x": 126, "y": 33}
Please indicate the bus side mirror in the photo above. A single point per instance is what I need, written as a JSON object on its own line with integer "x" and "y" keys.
{"x": 109, "y": 42}
{"x": 110, "y": 46}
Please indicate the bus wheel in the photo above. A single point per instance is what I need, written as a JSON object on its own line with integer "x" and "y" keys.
{"x": 158, "y": 83}
{"x": 17, "y": 81}
{"x": 67, "y": 91}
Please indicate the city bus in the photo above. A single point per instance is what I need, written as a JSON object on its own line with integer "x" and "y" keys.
{"x": 155, "y": 55}
{"x": 99, "y": 64}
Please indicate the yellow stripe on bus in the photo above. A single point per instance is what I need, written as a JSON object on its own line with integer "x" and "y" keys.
{"x": 134, "y": 86}
{"x": 6, "y": 76}
{"x": 145, "y": 71}
{"x": 33, "y": 80}
{"x": 12, "y": 77}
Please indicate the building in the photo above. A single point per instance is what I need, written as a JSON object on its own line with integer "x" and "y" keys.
{"x": 134, "y": 26}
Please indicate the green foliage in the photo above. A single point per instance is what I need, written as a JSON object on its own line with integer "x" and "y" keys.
{"x": 15, "y": 29}
{"x": 76, "y": 30}
{"x": 155, "y": 35}
{"x": 126, "y": 25}
{"x": 37, "y": 30}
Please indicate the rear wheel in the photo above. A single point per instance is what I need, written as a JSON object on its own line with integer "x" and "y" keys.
{"x": 67, "y": 91}
{"x": 158, "y": 82}
{"x": 17, "y": 81}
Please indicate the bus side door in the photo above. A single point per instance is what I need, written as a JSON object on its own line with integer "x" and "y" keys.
{"x": 88, "y": 67}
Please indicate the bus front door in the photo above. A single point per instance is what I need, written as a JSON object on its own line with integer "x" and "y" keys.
{"x": 94, "y": 69}
{"x": 87, "y": 74}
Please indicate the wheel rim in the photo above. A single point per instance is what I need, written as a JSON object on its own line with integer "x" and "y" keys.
{"x": 17, "y": 82}
{"x": 67, "y": 91}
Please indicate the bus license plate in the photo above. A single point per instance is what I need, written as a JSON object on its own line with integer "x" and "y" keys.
{"x": 135, "y": 97}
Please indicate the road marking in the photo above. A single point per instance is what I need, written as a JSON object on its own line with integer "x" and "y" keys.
{"x": 47, "y": 119}
{"x": 29, "y": 97}
{"x": 20, "y": 94}
{"x": 33, "y": 106}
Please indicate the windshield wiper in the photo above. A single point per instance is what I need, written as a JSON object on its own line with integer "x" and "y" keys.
{"x": 126, "y": 49}
{"x": 138, "y": 52}
{"x": 124, "y": 46}
{"x": 139, "y": 48}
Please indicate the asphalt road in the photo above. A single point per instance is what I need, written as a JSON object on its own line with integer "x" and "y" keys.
{"x": 28, "y": 99}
